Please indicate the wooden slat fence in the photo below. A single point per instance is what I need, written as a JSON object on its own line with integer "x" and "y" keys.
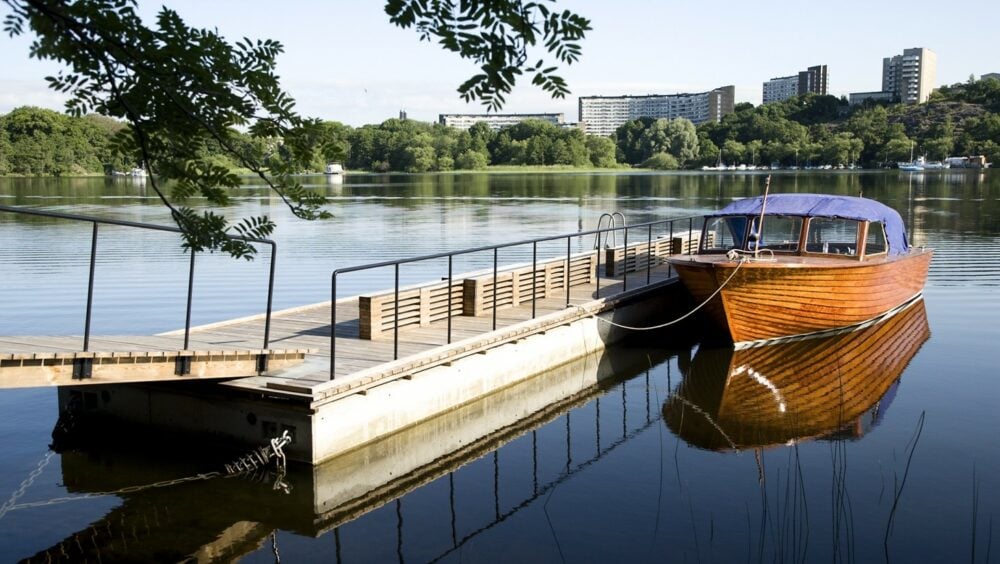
{"x": 639, "y": 256}
{"x": 419, "y": 306}
{"x": 472, "y": 294}
{"x": 514, "y": 286}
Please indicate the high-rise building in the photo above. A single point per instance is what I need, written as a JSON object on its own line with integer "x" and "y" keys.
{"x": 495, "y": 121}
{"x": 911, "y": 75}
{"x": 990, "y": 75}
{"x": 814, "y": 79}
{"x": 781, "y": 88}
{"x": 602, "y": 115}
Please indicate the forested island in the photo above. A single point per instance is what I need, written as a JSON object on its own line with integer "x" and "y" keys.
{"x": 962, "y": 119}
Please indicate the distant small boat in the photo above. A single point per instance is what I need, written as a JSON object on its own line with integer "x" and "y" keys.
{"x": 718, "y": 165}
{"x": 791, "y": 265}
{"x": 137, "y": 172}
{"x": 911, "y": 165}
{"x": 922, "y": 164}
{"x": 334, "y": 168}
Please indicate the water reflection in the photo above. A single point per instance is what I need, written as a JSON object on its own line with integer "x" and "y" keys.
{"x": 611, "y": 509}
{"x": 483, "y": 463}
{"x": 835, "y": 387}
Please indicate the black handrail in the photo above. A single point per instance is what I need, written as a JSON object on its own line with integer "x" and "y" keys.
{"x": 495, "y": 249}
{"x": 153, "y": 227}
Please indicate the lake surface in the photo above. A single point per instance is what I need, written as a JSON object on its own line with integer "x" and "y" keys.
{"x": 665, "y": 460}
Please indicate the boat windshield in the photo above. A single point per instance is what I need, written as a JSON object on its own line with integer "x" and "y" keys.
{"x": 876, "y": 243}
{"x": 832, "y": 236}
{"x": 724, "y": 233}
{"x": 780, "y": 233}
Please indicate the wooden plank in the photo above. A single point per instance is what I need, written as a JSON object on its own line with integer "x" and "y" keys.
{"x": 204, "y": 365}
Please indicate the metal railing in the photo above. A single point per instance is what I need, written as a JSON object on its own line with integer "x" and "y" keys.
{"x": 665, "y": 225}
{"x": 612, "y": 223}
{"x": 82, "y": 368}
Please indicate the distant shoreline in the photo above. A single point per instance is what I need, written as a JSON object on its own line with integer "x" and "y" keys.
{"x": 515, "y": 169}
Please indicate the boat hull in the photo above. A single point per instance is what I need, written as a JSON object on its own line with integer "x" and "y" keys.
{"x": 764, "y": 300}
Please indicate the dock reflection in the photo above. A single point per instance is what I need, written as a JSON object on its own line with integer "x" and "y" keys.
{"x": 456, "y": 458}
{"x": 834, "y": 387}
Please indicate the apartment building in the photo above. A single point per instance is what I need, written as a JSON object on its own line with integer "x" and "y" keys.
{"x": 910, "y": 76}
{"x": 856, "y": 98}
{"x": 814, "y": 79}
{"x": 602, "y": 115}
{"x": 496, "y": 121}
{"x": 781, "y": 88}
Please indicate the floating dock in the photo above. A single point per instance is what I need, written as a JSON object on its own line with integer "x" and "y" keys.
{"x": 342, "y": 374}
{"x": 375, "y": 396}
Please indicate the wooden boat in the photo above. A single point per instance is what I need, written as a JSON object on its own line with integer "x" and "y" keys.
{"x": 827, "y": 387}
{"x": 801, "y": 264}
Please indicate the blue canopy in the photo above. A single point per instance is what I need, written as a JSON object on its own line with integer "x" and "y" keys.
{"x": 818, "y": 205}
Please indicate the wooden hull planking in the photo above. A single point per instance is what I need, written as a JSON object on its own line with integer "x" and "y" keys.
{"x": 767, "y": 300}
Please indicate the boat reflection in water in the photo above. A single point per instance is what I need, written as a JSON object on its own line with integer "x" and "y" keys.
{"x": 780, "y": 394}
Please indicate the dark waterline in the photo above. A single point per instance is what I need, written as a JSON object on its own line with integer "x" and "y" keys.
{"x": 611, "y": 476}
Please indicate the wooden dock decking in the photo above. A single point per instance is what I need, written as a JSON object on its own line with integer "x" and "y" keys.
{"x": 299, "y": 353}
{"x": 362, "y": 363}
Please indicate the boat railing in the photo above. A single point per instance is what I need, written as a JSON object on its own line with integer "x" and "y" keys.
{"x": 82, "y": 366}
{"x": 662, "y": 228}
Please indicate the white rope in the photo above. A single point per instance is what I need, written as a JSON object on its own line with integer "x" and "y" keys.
{"x": 675, "y": 321}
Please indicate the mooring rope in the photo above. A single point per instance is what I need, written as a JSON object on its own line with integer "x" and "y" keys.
{"x": 740, "y": 261}
{"x": 256, "y": 459}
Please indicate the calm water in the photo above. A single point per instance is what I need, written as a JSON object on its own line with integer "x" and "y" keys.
{"x": 665, "y": 461}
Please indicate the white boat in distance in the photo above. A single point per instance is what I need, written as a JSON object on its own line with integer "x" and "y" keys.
{"x": 334, "y": 168}
{"x": 922, "y": 164}
{"x": 935, "y": 165}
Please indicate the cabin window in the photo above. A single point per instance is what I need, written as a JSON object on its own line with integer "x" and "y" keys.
{"x": 724, "y": 233}
{"x": 875, "y": 243}
{"x": 781, "y": 233}
{"x": 832, "y": 236}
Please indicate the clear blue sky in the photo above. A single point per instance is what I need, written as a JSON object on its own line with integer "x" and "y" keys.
{"x": 344, "y": 61}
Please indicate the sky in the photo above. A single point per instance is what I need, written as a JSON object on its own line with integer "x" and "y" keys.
{"x": 344, "y": 61}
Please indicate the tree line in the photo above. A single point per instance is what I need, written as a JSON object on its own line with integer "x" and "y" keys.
{"x": 960, "y": 119}
{"x": 34, "y": 141}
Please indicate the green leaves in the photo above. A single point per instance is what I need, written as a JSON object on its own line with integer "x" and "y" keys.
{"x": 497, "y": 35}
{"x": 208, "y": 231}
{"x": 182, "y": 91}
{"x": 187, "y": 93}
